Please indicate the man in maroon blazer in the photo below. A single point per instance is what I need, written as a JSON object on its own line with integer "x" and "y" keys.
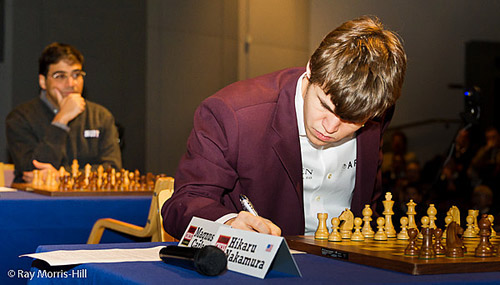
{"x": 295, "y": 142}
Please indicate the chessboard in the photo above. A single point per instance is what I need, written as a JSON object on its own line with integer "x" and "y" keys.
{"x": 28, "y": 187}
{"x": 390, "y": 255}
{"x": 89, "y": 182}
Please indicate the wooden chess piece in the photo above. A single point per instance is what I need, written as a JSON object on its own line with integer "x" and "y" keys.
{"x": 380, "y": 234}
{"x": 113, "y": 178}
{"x": 427, "y": 249}
{"x": 475, "y": 214}
{"x": 322, "y": 230}
{"x": 347, "y": 223}
{"x": 455, "y": 213}
{"x": 87, "y": 171}
{"x": 367, "y": 218}
{"x": 493, "y": 232}
{"x": 454, "y": 244}
{"x": 74, "y": 169}
{"x": 431, "y": 213}
{"x": 126, "y": 180}
{"x": 403, "y": 234}
{"x": 388, "y": 213}
{"x": 100, "y": 176}
{"x": 357, "y": 235}
{"x": 447, "y": 222}
{"x": 412, "y": 248}
{"x": 411, "y": 214}
{"x": 335, "y": 235}
{"x": 93, "y": 181}
{"x": 425, "y": 224}
{"x": 484, "y": 248}
{"x": 438, "y": 242}
{"x": 469, "y": 231}
{"x": 37, "y": 179}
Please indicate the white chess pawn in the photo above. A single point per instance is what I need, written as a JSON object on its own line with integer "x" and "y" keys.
{"x": 335, "y": 235}
{"x": 447, "y": 221}
{"x": 425, "y": 224}
{"x": 469, "y": 231}
{"x": 367, "y": 218}
{"x": 380, "y": 235}
{"x": 357, "y": 235}
{"x": 403, "y": 234}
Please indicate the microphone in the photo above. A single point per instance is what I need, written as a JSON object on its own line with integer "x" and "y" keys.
{"x": 209, "y": 260}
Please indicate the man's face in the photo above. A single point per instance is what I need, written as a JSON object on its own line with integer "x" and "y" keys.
{"x": 322, "y": 126}
{"x": 66, "y": 77}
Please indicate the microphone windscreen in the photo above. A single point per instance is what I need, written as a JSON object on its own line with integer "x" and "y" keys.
{"x": 210, "y": 260}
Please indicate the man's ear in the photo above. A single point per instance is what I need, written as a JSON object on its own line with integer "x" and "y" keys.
{"x": 41, "y": 81}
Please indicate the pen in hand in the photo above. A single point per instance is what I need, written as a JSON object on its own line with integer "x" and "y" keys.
{"x": 247, "y": 205}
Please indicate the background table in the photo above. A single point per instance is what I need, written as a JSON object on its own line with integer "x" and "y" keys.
{"x": 28, "y": 220}
{"x": 315, "y": 270}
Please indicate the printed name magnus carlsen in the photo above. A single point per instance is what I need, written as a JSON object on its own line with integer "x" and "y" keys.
{"x": 234, "y": 249}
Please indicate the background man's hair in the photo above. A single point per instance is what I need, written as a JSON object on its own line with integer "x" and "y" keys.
{"x": 56, "y": 52}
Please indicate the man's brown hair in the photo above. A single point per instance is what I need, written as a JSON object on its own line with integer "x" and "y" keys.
{"x": 361, "y": 66}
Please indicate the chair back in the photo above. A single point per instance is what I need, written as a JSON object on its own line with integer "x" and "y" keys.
{"x": 163, "y": 196}
{"x": 6, "y": 174}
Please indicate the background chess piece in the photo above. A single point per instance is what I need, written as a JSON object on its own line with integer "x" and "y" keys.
{"x": 447, "y": 220}
{"x": 322, "y": 230}
{"x": 431, "y": 213}
{"x": 470, "y": 232}
{"x": 335, "y": 235}
{"x": 493, "y": 232}
{"x": 425, "y": 224}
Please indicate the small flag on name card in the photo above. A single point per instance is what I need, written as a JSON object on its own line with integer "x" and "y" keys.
{"x": 269, "y": 247}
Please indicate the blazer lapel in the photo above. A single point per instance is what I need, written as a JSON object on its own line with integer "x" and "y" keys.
{"x": 285, "y": 137}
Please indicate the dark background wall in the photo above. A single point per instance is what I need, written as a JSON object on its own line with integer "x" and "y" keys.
{"x": 111, "y": 34}
{"x": 152, "y": 62}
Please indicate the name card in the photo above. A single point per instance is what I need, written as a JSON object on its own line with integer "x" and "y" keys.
{"x": 247, "y": 252}
{"x": 200, "y": 233}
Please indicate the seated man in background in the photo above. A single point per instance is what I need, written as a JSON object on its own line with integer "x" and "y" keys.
{"x": 296, "y": 142}
{"x": 60, "y": 125}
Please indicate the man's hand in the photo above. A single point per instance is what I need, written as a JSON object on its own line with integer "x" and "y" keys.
{"x": 70, "y": 106}
{"x": 249, "y": 222}
{"x": 44, "y": 168}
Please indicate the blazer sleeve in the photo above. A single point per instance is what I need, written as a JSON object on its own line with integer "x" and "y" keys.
{"x": 207, "y": 171}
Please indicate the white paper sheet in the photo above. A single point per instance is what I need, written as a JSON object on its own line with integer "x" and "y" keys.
{"x": 68, "y": 257}
{"x": 7, "y": 189}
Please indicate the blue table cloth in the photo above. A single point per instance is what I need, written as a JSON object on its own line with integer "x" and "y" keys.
{"x": 315, "y": 270}
{"x": 28, "y": 220}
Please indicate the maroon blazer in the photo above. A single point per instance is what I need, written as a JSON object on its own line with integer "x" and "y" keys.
{"x": 245, "y": 141}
